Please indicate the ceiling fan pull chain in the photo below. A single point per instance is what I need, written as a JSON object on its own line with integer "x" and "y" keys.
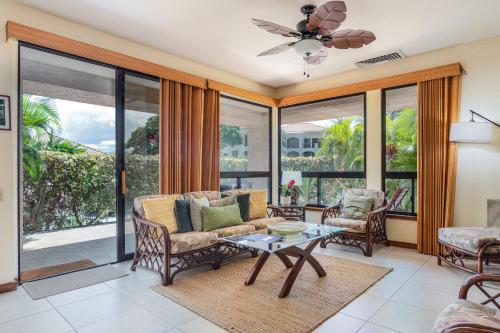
{"x": 307, "y": 69}
{"x": 304, "y": 68}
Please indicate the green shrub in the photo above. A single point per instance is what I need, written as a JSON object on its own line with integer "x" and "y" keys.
{"x": 80, "y": 189}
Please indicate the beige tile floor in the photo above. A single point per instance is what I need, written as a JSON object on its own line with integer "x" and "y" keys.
{"x": 406, "y": 300}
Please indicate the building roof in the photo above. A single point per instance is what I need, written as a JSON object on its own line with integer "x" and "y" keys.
{"x": 302, "y": 127}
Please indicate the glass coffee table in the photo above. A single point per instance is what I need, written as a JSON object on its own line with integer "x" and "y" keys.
{"x": 284, "y": 247}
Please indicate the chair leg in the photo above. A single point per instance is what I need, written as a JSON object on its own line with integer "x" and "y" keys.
{"x": 479, "y": 264}
{"x": 439, "y": 260}
{"x": 369, "y": 249}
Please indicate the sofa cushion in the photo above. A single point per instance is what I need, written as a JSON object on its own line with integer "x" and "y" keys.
{"x": 244, "y": 203}
{"x": 220, "y": 217}
{"x": 263, "y": 222}
{"x": 183, "y": 215}
{"x": 226, "y": 201}
{"x": 464, "y": 311}
{"x": 258, "y": 202}
{"x": 196, "y": 219}
{"x": 138, "y": 206}
{"x": 161, "y": 210}
{"x": 356, "y": 207}
{"x": 234, "y": 230}
{"x": 210, "y": 195}
{"x": 378, "y": 196}
{"x": 358, "y": 226}
{"x": 192, "y": 240}
{"x": 470, "y": 239}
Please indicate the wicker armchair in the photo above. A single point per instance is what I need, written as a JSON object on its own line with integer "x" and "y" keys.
{"x": 464, "y": 316}
{"x": 363, "y": 234}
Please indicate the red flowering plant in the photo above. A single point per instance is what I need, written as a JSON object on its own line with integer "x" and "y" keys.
{"x": 288, "y": 189}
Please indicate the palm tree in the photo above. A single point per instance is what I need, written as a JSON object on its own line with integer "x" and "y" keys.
{"x": 40, "y": 120}
{"x": 344, "y": 143}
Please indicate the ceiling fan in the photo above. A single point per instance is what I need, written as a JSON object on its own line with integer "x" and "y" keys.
{"x": 316, "y": 33}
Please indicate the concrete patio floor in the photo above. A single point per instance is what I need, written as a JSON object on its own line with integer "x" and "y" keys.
{"x": 96, "y": 243}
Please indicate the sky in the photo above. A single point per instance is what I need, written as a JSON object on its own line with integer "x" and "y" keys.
{"x": 94, "y": 125}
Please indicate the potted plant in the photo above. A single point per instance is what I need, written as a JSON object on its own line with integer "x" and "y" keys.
{"x": 286, "y": 192}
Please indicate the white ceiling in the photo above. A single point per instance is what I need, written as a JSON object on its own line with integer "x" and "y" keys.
{"x": 219, "y": 33}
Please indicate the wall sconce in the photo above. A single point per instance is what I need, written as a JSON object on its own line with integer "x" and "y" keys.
{"x": 472, "y": 131}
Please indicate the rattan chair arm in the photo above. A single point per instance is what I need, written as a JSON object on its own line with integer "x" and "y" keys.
{"x": 376, "y": 216}
{"x": 377, "y": 213}
{"x": 474, "y": 280}
{"x": 332, "y": 211}
{"x": 162, "y": 232}
{"x": 484, "y": 248}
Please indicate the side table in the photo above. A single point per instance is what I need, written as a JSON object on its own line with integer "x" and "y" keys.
{"x": 289, "y": 212}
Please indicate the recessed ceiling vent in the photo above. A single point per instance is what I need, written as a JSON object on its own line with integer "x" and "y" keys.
{"x": 383, "y": 59}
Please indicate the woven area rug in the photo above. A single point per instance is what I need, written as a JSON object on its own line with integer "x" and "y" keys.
{"x": 221, "y": 297}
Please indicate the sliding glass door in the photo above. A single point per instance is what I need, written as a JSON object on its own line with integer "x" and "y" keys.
{"x": 141, "y": 134}
{"x": 88, "y": 145}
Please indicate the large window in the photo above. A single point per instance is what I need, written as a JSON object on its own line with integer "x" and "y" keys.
{"x": 244, "y": 145}
{"x": 399, "y": 149}
{"x": 329, "y": 147}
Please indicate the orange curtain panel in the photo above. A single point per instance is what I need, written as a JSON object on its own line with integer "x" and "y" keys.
{"x": 438, "y": 107}
{"x": 210, "y": 177}
{"x": 189, "y": 138}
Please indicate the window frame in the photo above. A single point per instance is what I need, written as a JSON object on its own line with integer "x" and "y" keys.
{"x": 253, "y": 174}
{"x": 409, "y": 175}
{"x": 324, "y": 174}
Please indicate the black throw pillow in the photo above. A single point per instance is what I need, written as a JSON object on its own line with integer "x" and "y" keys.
{"x": 183, "y": 215}
{"x": 244, "y": 203}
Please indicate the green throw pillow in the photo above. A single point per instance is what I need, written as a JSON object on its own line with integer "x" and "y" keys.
{"x": 220, "y": 217}
{"x": 356, "y": 208}
{"x": 244, "y": 203}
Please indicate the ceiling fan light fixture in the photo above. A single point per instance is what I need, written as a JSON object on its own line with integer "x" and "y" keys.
{"x": 308, "y": 47}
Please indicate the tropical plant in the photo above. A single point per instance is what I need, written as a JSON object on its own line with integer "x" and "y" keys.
{"x": 40, "y": 121}
{"x": 344, "y": 143}
{"x": 401, "y": 140}
{"x": 64, "y": 146}
{"x": 144, "y": 139}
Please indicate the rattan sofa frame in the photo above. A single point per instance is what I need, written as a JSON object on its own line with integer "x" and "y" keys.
{"x": 455, "y": 256}
{"x": 153, "y": 250}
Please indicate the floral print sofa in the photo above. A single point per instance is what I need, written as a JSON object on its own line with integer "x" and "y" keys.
{"x": 171, "y": 253}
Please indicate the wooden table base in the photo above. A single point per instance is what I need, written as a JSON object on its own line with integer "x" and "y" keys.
{"x": 302, "y": 256}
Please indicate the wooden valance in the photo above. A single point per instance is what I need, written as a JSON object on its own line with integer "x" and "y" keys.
{"x": 387, "y": 82}
{"x": 52, "y": 41}
{"x": 245, "y": 94}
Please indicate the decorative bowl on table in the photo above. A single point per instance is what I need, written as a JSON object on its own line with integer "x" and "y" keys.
{"x": 288, "y": 228}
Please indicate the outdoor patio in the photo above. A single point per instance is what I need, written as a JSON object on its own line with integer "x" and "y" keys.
{"x": 95, "y": 243}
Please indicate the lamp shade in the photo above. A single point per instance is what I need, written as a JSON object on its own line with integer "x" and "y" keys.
{"x": 291, "y": 175}
{"x": 471, "y": 131}
{"x": 308, "y": 47}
